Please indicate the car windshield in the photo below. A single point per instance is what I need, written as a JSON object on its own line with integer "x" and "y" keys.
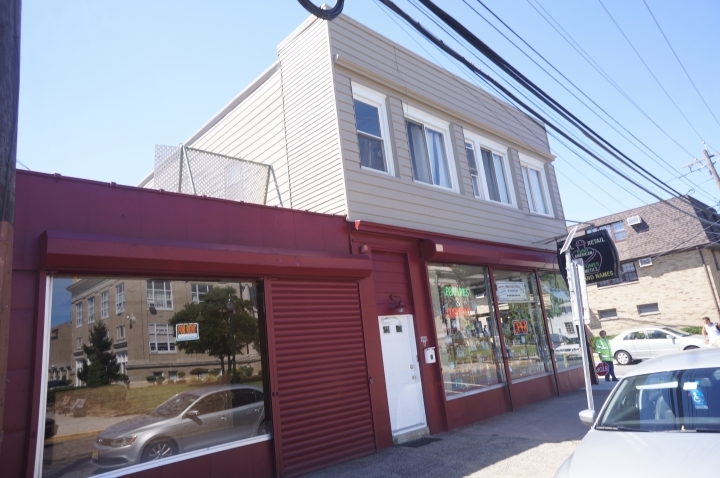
{"x": 676, "y": 331}
{"x": 175, "y": 405}
{"x": 677, "y": 401}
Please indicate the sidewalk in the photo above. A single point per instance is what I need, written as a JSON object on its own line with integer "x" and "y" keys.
{"x": 531, "y": 442}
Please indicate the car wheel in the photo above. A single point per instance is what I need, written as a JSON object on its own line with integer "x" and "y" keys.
{"x": 158, "y": 450}
{"x": 691, "y": 347}
{"x": 623, "y": 357}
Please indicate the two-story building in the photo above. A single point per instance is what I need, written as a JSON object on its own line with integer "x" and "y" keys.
{"x": 669, "y": 267}
{"x": 405, "y": 283}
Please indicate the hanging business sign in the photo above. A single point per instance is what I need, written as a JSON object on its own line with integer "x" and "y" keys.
{"x": 187, "y": 332}
{"x": 598, "y": 253}
{"x": 520, "y": 327}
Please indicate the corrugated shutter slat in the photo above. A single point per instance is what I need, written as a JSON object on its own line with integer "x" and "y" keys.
{"x": 323, "y": 402}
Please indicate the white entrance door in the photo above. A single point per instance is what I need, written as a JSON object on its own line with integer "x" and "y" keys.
{"x": 402, "y": 373}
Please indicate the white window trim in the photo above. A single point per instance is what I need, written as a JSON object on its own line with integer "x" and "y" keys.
{"x": 78, "y": 307}
{"x": 538, "y": 166}
{"x": 479, "y": 142}
{"x": 105, "y": 312}
{"x": 119, "y": 306}
{"x": 378, "y": 100}
{"x": 418, "y": 116}
{"x": 91, "y": 310}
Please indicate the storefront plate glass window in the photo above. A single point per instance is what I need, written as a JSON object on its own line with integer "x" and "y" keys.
{"x": 563, "y": 333}
{"x": 468, "y": 340}
{"x": 147, "y": 397}
{"x": 523, "y": 325}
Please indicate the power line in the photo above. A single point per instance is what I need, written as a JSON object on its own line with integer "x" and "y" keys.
{"x": 680, "y": 62}
{"x": 586, "y": 56}
{"x": 649, "y": 69}
{"x": 667, "y": 166}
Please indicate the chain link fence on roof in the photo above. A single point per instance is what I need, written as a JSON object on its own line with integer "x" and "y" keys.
{"x": 193, "y": 171}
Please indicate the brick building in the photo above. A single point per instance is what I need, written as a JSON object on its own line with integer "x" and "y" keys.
{"x": 669, "y": 267}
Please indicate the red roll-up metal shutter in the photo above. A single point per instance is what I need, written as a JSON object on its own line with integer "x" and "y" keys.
{"x": 321, "y": 399}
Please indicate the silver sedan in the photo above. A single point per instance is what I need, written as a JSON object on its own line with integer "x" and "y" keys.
{"x": 189, "y": 421}
{"x": 650, "y": 342}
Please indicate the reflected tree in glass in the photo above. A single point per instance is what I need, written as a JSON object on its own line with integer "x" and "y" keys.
{"x": 216, "y": 325}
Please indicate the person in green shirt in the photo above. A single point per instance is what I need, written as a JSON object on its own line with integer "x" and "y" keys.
{"x": 602, "y": 347}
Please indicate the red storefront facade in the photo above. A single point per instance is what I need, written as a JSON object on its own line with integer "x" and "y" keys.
{"x": 323, "y": 285}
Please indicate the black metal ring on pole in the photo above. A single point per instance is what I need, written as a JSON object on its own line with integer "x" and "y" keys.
{"x": 329, "y": 14}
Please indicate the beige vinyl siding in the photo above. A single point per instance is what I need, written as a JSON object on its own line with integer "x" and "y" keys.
{"x": 255, "y": 130}
{"x": 311, "y": 125}
{"x": 361, "y": 46}
{"x": 400, "y": 200}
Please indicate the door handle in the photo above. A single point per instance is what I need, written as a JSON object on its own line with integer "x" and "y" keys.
{"x": 223, "y": 418}
{"x": 256, "y": 410}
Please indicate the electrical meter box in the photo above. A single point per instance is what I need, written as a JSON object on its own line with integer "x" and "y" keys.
{"x": 430, "y": 355}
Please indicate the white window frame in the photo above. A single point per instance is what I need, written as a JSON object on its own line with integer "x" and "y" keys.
{"x": 153, "y": 295}
{"x": 417, "y": 116}
{"x": 78, "y": 315}
{"x": 78, "y": 343}
{"x": 378, "y": 100}
{"x": 171, "y": 341}
{"x": 532, "y": 163}
{"x": 91, "y": 310}
{"x": 120, "y": 336}
{"x": 120, "y": 298}
{"x": 480, "y": 142}
{"x": 105, "y": 305}
{"x": 195, "y": 292}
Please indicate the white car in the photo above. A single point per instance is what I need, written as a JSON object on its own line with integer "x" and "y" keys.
{"x": 651, "y": 342}
{"x": 662, "y": 419}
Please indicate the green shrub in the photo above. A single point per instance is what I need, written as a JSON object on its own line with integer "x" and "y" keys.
{"x": 160, "y": 380}
{"x": 181, "y": 374}
{"x": 214, "y": 372}
{"x": 151, "y": 378}
{"x": 198, "y": 371}
{"x": 122, "y": 378}
{"x": 247, "y": 370}
{"x": 692, "y": 330}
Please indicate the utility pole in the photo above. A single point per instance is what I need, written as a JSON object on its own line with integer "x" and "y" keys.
{"x": 708, "y": 164}
{"x": 9, "y": 94}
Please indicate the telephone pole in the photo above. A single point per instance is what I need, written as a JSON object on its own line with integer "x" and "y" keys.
{"x": 708, "y": 164}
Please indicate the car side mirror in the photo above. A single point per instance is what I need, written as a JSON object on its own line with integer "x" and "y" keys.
{"x": 192, "y": 414}
{"x": 587, "y": 417}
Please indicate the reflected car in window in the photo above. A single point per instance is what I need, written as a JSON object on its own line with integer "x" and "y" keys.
{"x": 190, "y": 420}
{"x": 649, "y": 342}
{"x": 661, "y": 419}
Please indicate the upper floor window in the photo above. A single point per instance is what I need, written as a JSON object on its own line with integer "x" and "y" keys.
{"x": 628, "y": 273}
{"x": 373, "y": 137}
{"x": 198, "y": 291}
{"x": 430, "y": 149}
{"x": 120, "y": 298}
{"x": 535, "y": 186}
{"x": 159, "y": 294}
{"x": 161, "y": 338}
{"x": 616, "y": 230}
{"x": 488, "y": 169}
{"x": 104, "y": 305}
{"x": 78, "y": 314}
{"x": 91, "y": 310}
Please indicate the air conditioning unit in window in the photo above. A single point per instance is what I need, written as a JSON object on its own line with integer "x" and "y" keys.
{"x": 634, "y": 220}
{"x": 645, "y": 262}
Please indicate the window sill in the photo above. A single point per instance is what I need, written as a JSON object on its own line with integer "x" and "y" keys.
{"x": 495, "y": 203}
{"x": 475, "y": 392}
{"x": 617, "y": 285}
{"x": 649, "y": 313}
{"x": 602, "y": 319}
{"x": 378, "y": 171}
{"x": 436, "y": 186}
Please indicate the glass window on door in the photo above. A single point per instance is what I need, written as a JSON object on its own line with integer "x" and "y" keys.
{"x": 468, "y": 340}
{"x": 563, "y": 334}
{"x": 523, "y": 325}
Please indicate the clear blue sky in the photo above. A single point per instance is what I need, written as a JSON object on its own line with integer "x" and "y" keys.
{"x": 103, "y": 82}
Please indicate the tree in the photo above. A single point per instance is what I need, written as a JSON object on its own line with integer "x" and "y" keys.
{"x": 215, "y": 327}
{"x": 103, "y": 367}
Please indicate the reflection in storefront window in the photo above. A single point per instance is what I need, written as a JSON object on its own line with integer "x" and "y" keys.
{"x": 140, "y": 388}
{"x": 563, "y": 333}
{"x": 522, "y": 323}
{"x": 468, "y": 339}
